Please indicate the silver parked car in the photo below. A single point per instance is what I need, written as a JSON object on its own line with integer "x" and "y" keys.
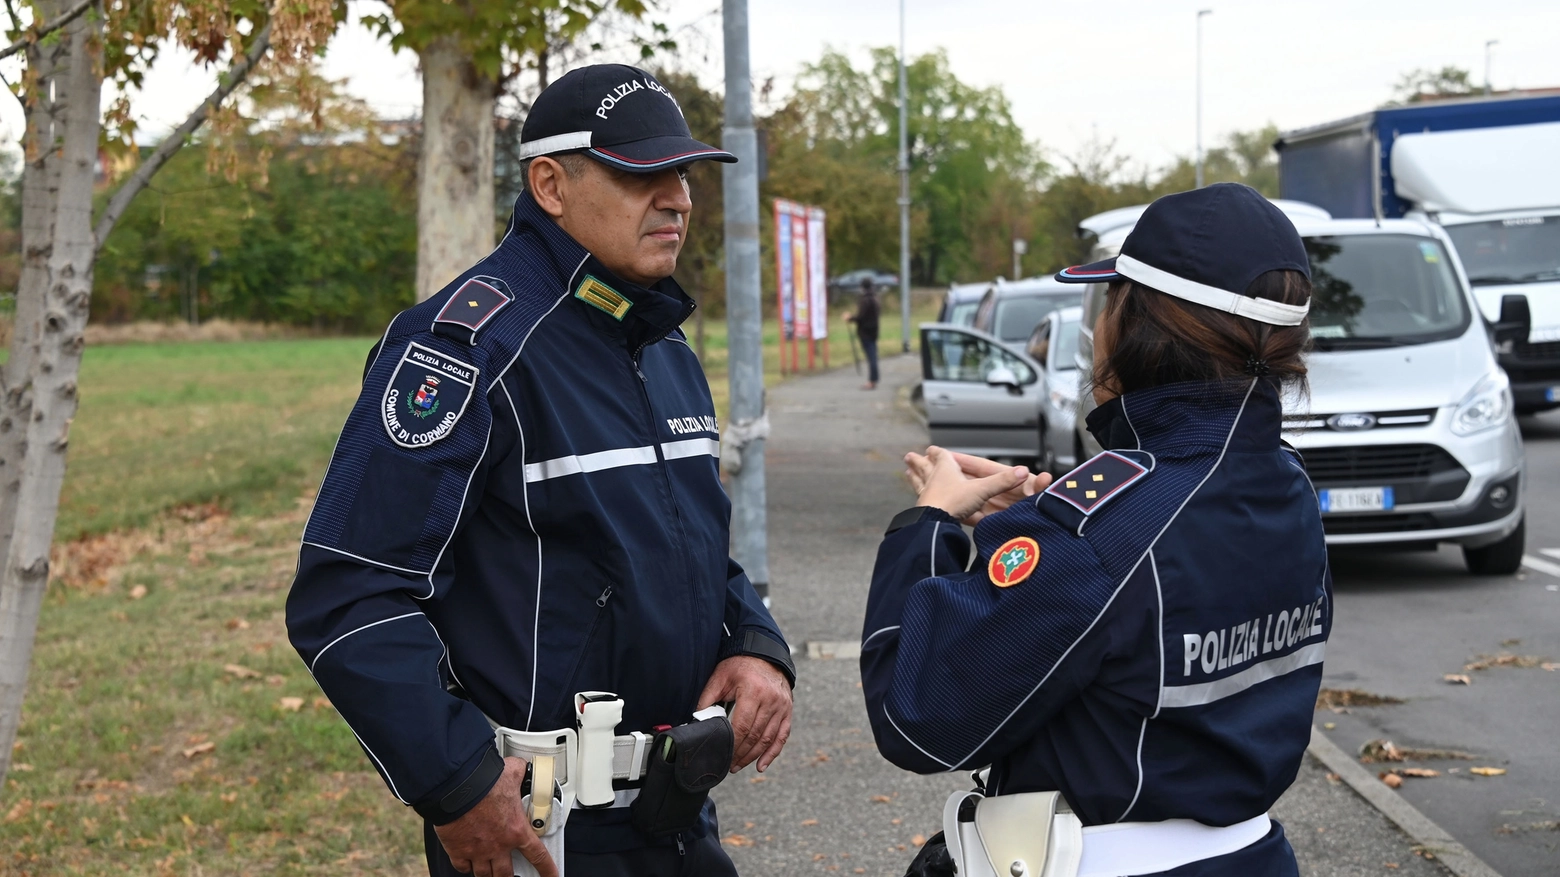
{"x": 1054, "y": 345}
{"x": 1408, "y": 433}
{"x": 1010, "y": 310}
{"x": 960, "y": 302}
{"x": 980, "y": 396}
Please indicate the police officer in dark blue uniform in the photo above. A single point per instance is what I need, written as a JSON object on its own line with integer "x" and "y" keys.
{"x": 1145, "y": 633}
{"x": 525, "y": 503}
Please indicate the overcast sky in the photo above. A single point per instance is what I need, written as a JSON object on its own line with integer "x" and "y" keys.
{"x": 1123, "y": 70}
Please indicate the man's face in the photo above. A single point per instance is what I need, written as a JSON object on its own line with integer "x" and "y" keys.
{"x": 634, "y": 223}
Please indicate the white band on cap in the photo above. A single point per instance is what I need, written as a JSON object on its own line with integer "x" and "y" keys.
{"x": 1260, "y": 309}
{"x": 555, "y": 143}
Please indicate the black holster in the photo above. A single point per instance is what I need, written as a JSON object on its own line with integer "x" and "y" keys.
{"x": 685, "y": 763}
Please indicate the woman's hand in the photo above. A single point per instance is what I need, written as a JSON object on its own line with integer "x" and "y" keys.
{"x": 968, "y": 488}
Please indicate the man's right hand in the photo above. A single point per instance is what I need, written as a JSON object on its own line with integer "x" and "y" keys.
{"x": 479, "y": 842}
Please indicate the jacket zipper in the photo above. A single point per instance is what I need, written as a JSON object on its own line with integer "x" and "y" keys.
{"x": 590, "y": 634}
{"x": 666, "y": 481}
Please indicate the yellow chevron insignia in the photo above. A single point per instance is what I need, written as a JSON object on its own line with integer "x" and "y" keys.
{"x": 603, "y": 297}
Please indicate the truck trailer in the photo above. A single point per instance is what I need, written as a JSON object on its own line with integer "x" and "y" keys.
{"x": 1488, "y": 171}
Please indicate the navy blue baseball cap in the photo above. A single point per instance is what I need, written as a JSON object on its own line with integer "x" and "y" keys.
{"x": 616, "y": 114}
{"x": 1206, "y": 246}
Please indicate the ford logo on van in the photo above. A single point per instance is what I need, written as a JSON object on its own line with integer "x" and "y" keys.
{"x": 1351, "y": 422}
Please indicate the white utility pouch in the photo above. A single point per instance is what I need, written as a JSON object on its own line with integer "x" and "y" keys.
{"x": 1034, "y": 834}
{"x": 553, "y": 758}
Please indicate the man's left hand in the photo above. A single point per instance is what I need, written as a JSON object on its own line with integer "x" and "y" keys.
{"x": 761, "y": 718}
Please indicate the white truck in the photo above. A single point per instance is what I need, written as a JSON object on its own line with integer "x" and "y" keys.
{"x": 1486, "y": 171}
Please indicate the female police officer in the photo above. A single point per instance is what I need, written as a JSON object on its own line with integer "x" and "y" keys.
{"x": 1145, "y": 633}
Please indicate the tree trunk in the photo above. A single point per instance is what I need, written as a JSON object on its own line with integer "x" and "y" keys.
{"x": 455, "y": 169}
{"x": 57, "y": 346}
{"x": 40, "y": 179}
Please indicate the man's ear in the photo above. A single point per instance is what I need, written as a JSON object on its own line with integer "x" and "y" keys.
{"x": 546, "y": 179}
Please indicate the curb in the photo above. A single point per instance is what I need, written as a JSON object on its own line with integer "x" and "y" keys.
{"x": 1457, "y": 858}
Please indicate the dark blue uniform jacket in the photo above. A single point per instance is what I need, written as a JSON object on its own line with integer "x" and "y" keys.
{"x": 566, "y": 531}
{"x": 1162, "y": 660}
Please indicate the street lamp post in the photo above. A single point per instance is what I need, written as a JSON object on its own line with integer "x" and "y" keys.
{"x": 904, "y": 192}
{"x": 1488, "y": 44}
{"x": 1200, "y": 14}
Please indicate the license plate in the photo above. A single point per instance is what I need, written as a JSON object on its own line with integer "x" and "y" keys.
{"x": 1356, "y": 499}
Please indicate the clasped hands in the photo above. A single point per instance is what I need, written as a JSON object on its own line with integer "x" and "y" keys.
{"x": 968, "y": 488}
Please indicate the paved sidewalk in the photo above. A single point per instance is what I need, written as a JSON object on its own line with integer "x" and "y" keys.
{"x": 831, "y": 804}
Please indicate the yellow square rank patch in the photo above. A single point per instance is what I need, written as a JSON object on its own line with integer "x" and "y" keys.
{"x": 603, "y": 297}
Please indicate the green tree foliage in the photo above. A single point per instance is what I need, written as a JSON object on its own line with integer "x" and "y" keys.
{"x": 319, "y": 230}
{"x": 835, "y": 142}
{"x": 1419, "y": 85}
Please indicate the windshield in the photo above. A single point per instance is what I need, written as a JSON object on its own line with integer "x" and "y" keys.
{"x": 1066, "y": 341}
{"x": 1017, "y": 317}
{"x": 1509, "y": 250}
{"x": 1380, "y": 290}
{"x": 963, "y": 314}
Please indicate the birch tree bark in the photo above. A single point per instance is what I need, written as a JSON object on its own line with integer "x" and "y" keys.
{"x": 56, "y": 344}
{"x": 40, "y": 182}
{"x": 455, "y": 167}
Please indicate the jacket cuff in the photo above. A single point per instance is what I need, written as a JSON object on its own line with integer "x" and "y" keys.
{"x": 918, "y": 515}
{"x": 757, "y": 644}
{"x": 452, "y": 801}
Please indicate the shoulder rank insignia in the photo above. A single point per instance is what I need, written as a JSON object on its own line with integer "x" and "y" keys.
{"x": 1013, "y": 562}
{"x": 603, "y": 297}
{"x": 474, "y": 304}
{"x": 426, "y": 396}
{"x": 1089, "y": 486}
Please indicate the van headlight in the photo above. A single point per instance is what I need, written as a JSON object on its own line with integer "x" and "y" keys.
{"x": 1486, "y": 406}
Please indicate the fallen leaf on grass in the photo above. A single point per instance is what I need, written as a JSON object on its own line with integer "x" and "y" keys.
{"x": 229, "y": 797}
{"x": 22, "y": 808}
{"x": 1487, "y": 771}
{"x": 198, "y": 749}
{"x": 1458, "y": 679}
{"x": 237, "y": 624}
{"x": 275, "y": 680}
{"x": 138, "y": 592}
{"x": 240, "y": 671}
{"x": 1419, "y": 772}
{"x": 1392, "y": 780}
{"x": 323, "y": 703}
{"x": 21, "y": 768}
{"x": 290, "y": 704}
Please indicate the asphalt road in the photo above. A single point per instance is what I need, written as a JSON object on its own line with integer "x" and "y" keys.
{"x": 1406, "y": 620}
{"x": 831, "y": 804}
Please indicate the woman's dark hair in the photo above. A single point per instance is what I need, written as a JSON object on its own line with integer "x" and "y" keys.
{"x": 1160, "y": 339}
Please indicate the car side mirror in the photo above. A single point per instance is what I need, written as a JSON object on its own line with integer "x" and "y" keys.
{"x": 1002, "y": 376}
{"x": 1516, "y": 321}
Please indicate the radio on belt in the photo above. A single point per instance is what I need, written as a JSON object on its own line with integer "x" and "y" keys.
{"x": 598, "y": 714}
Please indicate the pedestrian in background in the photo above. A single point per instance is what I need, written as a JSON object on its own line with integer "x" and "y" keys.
{"x": 866, "y": 320}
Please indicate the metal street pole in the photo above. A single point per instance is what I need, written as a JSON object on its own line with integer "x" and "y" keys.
{"x": 904, "y": 191}
{"x": 1487, "y": 45}
{"x": 748, "y": 424}
{"x": 1200, "y": 14}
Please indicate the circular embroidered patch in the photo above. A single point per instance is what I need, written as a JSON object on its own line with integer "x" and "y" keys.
{"x": 1014, "y": 561}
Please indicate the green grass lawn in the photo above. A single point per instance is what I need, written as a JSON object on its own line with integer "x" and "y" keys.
{"x": 169, "y": 727}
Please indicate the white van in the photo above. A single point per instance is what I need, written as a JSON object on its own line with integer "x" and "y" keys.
{"x": 1409, "y": 432}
